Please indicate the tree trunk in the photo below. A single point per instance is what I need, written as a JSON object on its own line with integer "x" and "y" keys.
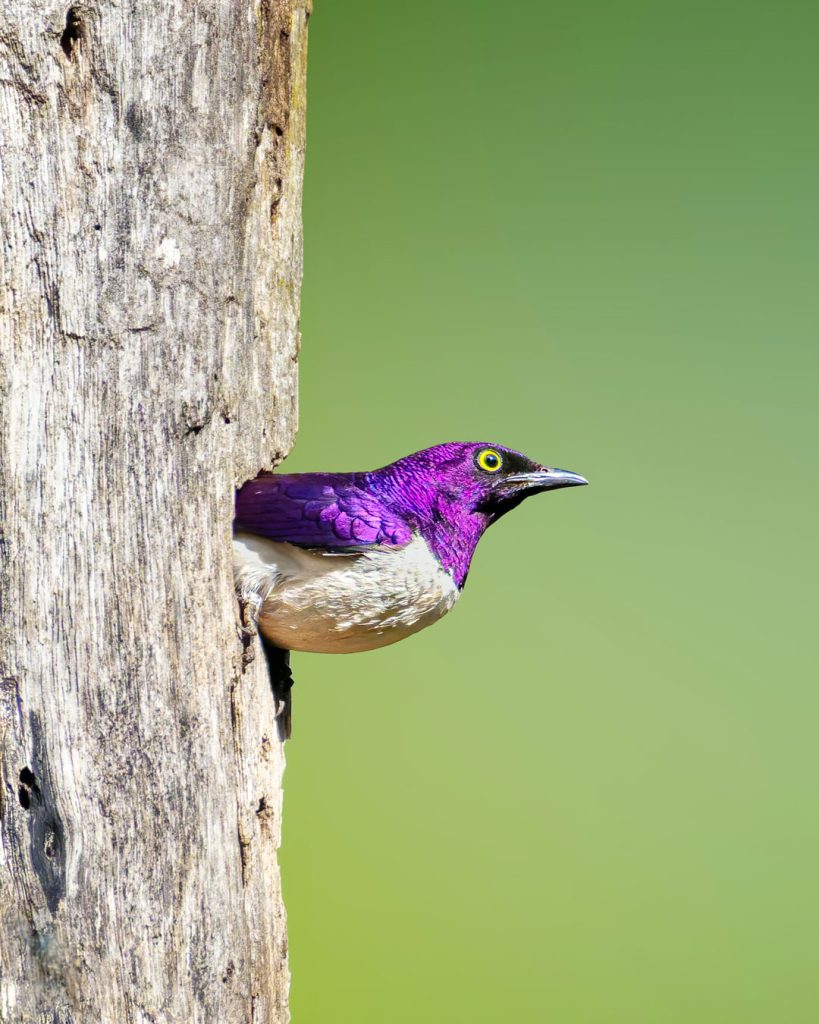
{"x": 151, "y": 159}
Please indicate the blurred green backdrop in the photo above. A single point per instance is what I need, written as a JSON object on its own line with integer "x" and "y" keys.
{"x": 588, "y": 796}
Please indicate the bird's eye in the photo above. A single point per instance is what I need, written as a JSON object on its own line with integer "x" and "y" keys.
{"x": 489, "y": 460}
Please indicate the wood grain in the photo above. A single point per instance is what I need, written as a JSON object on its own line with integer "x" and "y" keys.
{"x": 151, "y": 159}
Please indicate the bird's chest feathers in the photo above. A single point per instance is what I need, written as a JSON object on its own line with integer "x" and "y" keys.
{"x": 341, "y": 603}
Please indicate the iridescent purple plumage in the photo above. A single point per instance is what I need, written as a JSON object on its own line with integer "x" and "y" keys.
{"x": 335, "y": 511}
{"x": 403, "y": 537}
{"x": 439, "y": 493}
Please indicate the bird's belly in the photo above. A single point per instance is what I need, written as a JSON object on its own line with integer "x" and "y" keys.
{"x": 341, "y": 603}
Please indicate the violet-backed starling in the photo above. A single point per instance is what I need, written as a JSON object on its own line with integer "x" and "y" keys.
{"x": 343, "y": 562}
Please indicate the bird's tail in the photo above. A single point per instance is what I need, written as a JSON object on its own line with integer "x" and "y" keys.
{"x": 281, "y": 682}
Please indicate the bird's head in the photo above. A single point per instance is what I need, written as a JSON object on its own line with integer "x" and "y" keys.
{"x": 456, "y": 490}
{"x": 484, "y": 479}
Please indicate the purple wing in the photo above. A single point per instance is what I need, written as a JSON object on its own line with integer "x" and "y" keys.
{"x": 317, "y": 510}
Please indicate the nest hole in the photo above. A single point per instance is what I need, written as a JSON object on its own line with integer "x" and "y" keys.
{"x": 72, "y": 33}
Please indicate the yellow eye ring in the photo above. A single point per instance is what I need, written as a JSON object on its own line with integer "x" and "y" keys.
{"x": 489, "y": 460}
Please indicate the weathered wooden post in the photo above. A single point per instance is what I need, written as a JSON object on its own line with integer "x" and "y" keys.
{"x": 151, "y": 161}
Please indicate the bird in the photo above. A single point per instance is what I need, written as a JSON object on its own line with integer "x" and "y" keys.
{"x": 338, "y": 563}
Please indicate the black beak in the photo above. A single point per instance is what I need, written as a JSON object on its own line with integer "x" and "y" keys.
{"x": 535, "y": 481}
{"x": 509, "y": 491}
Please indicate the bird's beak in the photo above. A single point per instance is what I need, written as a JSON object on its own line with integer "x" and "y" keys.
{"x": 535, "y": 481}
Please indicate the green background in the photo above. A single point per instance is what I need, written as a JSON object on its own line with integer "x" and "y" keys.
{"x": 588, "y": 796}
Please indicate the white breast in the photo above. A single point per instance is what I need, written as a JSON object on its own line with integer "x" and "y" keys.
{"x": 340, "y": 603}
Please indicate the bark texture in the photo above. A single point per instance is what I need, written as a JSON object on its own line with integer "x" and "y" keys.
{"x": 151, "y": 160}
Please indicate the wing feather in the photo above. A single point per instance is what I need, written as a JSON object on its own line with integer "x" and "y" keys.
{"x": 318, "y": 510}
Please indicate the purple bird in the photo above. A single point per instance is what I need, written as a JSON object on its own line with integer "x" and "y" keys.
{"x": 342, "y": 562}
